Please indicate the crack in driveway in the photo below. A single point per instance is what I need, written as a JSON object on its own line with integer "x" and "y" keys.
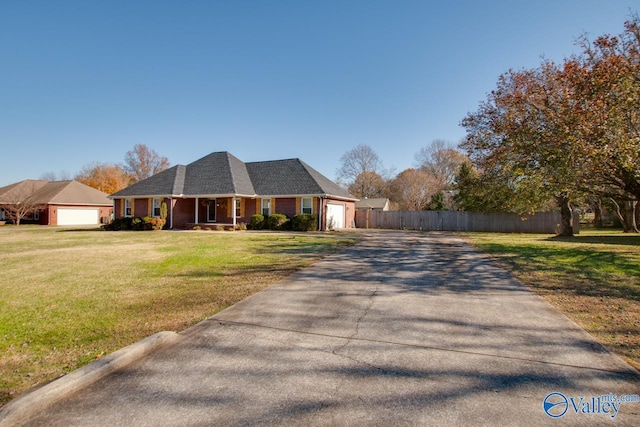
{"x": 358, "y": 322}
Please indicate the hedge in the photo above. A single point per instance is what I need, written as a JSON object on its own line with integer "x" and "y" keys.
{"x": 278, "y": 221}
{"x": 256, "y": 222}
{"x": 304, "y": 222}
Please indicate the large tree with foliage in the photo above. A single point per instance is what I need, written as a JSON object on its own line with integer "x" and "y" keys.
{"x": 527, "y": 132}
{"x": 567, "y": 131}
{"x": 104, "y": 177}
{"x": 482, "y": 191}
{"x": 606, "y": 78}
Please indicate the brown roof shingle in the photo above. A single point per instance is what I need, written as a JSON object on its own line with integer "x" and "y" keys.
{"x": 55, "y": 192}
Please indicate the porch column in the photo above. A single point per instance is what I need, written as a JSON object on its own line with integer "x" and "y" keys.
{"x": 233, "y": 210}
{"x": 171, "y": 217}
{"x": 197, "y": 210}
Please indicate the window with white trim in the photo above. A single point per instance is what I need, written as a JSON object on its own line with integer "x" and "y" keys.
{"x": 266, "y": 207}
{"x": 307, "y": 205}
{"x": 36, "y": 215}
{"x": 156, "y": 207}
{"x": 127, "y": 207}
{"x": 238, "y": 208}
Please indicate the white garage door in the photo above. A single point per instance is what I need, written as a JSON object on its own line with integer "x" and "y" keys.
{"x": 79, "y": 216}
{"x": 335, "y": 216}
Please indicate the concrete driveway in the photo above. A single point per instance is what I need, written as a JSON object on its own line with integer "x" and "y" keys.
{"x": 401, "y": 329}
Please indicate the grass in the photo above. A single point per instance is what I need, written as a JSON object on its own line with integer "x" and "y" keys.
{"x": 593, "y": 277}
{"x": 68, "y": 297}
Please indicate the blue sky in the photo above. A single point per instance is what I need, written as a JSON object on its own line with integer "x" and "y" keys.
{"x": 84, "y": 81}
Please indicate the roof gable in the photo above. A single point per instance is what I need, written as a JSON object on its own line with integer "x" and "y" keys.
{"x": 217, "y": 174}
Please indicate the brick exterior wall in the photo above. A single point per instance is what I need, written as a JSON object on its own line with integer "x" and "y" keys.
{"x": 184, "y": 210}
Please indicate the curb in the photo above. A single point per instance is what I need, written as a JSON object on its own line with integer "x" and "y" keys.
{"x": 25, "y": 407}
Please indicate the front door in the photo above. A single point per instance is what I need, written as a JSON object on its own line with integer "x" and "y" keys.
{"x": 211, "y": 211}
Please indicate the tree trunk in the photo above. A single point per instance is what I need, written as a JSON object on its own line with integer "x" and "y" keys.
{"x": 630, "y": 214}
{"x": 566, "y": 216}
{"x": 597, "y": 214}
{"x": 627, "y": 215}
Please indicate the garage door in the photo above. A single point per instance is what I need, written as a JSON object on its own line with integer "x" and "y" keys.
{"x": 335, "y": 216}
{"x": 79, "y": 216}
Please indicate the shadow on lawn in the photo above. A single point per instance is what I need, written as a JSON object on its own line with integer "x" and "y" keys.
{"x": 629, "y": 239}
{"x": 589, "y": 270}
{"x": 79, "y": 229}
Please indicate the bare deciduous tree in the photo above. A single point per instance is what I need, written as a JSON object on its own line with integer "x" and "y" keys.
{"x": 19, "y": 201}
{"x": 52, "y": 176}
{"x": 368, "y": 185}
{"x": 142, "y": 162}
{"x": 441, "y": 161}
{"x": 360, "y": 171}
{"x": 412, "y": 189}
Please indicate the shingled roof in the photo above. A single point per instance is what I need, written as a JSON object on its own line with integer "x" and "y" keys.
{"x": 54, "y": 193}
{"x": 222, "y": 174}
{"x": 217, "y": 174}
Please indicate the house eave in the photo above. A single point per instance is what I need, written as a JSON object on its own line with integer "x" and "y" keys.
{"x": 322, "y": 195}
{"x": 223, "y": 195}
{"x": 145, "y": 196}
{"x": 79, "y": 204}
{"x": 217, "y": 196}
{"x": 346, "y": 199}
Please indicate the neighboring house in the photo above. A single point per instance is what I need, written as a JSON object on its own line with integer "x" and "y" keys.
{"x": 379, "y": 204}
{"x": 58, "y": 202}
{"x": 221, "y": 189}
{"x": 364, "y": 208}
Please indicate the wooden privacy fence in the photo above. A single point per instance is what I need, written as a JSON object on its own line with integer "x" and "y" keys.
{"x": 541, "y": 222}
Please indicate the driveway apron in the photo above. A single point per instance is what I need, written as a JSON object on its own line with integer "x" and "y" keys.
{"x": 400, "y": 329}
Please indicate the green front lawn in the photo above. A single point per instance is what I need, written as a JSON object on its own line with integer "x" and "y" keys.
{"x": 68, "y": 297}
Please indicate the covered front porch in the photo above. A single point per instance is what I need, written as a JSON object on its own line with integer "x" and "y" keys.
{"x": 212, "y": 212}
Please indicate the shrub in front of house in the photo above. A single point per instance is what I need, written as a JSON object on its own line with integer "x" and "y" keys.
{"x": 256, "y": 222}
{"x": 155, "y": 224}
{"x": 119, "y": 224}
{"x": 304, "y": 222}
{"x": 278, "y": 221}
{"x": 135, "y": 224}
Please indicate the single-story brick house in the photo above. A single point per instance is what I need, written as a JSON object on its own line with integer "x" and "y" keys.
{"x": 58, "y": 202}
{"x": 221, "y": 189}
